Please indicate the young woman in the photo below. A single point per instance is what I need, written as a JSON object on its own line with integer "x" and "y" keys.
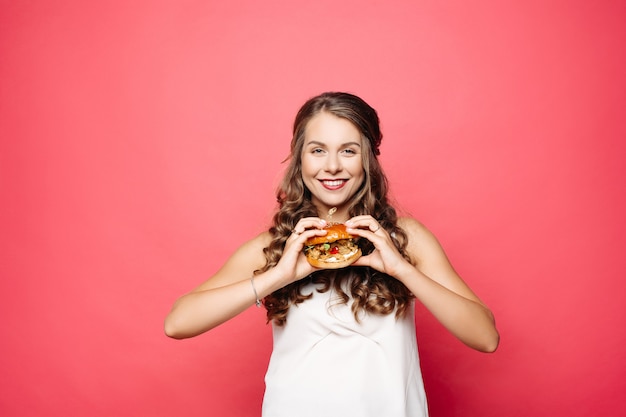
{"x": 344, "y": 339}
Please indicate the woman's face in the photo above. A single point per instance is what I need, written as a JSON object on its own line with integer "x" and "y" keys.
{"x": 332, "y": 166}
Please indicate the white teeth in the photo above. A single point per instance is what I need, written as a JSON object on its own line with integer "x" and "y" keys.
{"x": 334, "y": 183}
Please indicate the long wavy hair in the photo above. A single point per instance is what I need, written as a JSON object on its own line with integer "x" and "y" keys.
{"x": 371, "y": 291}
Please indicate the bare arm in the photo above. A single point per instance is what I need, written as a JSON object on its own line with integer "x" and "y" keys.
{"x": 230, "y": 292}
{"x": 223, "y": 296}
{"x": 434, "y": 282}
{"x": 438, "y": 286}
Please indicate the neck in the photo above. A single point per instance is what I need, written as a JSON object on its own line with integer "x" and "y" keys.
{"x": 333, "y": 214}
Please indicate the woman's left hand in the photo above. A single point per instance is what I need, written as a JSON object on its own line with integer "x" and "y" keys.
{"x": 385, "y": 257}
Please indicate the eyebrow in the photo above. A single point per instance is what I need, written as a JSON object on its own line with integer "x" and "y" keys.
{"x": 315, "y": 142}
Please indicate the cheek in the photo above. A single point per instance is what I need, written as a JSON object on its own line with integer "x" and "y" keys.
{"x": 310, "y": 163}
{"x": 307, "y": 167}
{"x": 304, "y": 165}
{"x": 359, "y": 172}
{"x": 356, "y": 168}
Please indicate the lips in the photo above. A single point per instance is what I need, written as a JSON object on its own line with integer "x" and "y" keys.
{"x": 333, "y": 184}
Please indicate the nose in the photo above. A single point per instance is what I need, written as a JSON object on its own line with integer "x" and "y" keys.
{"x": 333, "y": 163}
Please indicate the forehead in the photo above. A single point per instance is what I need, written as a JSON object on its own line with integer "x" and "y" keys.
{"x": 326, "y": 127}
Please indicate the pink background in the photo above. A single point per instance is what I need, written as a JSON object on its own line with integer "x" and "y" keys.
{"x": 141, "y": 143}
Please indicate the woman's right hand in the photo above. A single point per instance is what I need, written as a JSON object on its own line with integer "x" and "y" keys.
{"x": 293, "y": 265}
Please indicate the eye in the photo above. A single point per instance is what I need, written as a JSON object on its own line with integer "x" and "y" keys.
{"x": 349, "y": 151}
{"x": 317, "y": 151}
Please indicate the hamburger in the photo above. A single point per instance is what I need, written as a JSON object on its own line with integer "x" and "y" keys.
{"x": 336, "y": 249}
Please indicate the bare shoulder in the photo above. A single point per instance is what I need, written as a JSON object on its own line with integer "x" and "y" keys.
{"x": 241, "y": 265}
{"x": 416, "y": 231}
{"x": 423, "y": 245}
{"x": 250, "y": 254}
{"x": 431, "y": 259}
{"x": 412, "y": 226}
{"x": 256, "y": 244}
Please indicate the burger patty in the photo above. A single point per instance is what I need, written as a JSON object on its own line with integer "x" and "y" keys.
{"x": 338, "y": 250}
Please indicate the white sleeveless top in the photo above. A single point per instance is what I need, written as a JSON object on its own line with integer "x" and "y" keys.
{"x": 325, "y": 364}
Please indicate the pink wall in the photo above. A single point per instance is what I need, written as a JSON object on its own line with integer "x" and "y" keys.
{"x": 140, "y": 144}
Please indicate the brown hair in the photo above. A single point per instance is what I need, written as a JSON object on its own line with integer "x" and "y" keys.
{"x": 370, "y": 290}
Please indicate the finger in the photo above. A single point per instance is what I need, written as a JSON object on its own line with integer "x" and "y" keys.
{"x": 370, "y": 260}
{"x": 308, "y": 223}
{"x": 366, "y": 230}
{"x": 362, "y": 261}
{"x": 362, "y": 219}
{"x": 364, "y": 222}
{"x": 306, "y": 234}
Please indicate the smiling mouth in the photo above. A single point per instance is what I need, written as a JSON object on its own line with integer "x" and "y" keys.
{"x": 333, "y": 184}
